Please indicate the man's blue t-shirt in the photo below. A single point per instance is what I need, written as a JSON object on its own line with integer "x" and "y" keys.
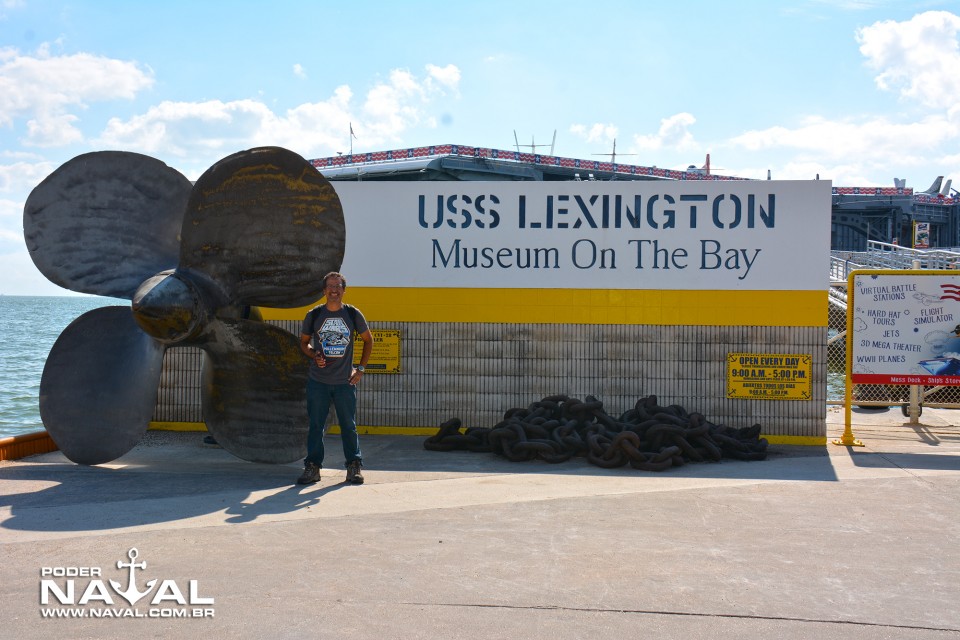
{"x": 332, "y": 334}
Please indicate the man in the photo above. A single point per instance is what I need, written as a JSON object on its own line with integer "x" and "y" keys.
{"x": 327, "y": 339}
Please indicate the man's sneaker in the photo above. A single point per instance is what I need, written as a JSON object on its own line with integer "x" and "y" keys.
{"x": 311, "y": 474}
{"x": 353, "y": 473}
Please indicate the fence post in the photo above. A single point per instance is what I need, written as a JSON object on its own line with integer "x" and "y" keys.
{"x": 915, "y": 389}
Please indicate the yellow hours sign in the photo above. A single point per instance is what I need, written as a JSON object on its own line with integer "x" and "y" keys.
{"x": 769, "y": 376}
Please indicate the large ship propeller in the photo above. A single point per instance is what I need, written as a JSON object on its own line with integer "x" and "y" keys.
{"x": 259, "y": 228}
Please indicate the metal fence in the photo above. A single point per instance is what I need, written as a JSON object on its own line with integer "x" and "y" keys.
{"x": 879, "y": 255}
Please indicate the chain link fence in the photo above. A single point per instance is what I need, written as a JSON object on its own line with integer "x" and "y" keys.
{"x": 870, "y": 395}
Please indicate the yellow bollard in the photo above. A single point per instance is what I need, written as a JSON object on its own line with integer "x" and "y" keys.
{"x": 847, "y": 439}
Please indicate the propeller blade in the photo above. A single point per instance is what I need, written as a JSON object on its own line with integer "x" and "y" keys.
{"x": 104, "y": 222}
{"x": 254, "y": 391}
{"x": 265, "y": 226}
{"x": 99, "y": 386}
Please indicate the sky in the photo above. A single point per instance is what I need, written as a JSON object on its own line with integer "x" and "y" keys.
{"x": 858, "y": 92}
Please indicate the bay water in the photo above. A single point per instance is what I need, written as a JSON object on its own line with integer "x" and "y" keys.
{"x": 29, "y": 325}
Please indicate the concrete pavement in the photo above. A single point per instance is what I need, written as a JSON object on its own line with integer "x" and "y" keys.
{"x": 835, "y": 542}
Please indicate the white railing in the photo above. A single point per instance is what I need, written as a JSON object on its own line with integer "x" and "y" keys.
{"x": 883, "y": 255}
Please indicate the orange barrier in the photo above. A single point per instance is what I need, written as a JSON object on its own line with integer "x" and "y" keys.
{"x": 29, "y": 444}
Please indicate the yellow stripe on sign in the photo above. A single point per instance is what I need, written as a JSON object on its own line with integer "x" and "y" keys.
{"x": 579, "y": 306}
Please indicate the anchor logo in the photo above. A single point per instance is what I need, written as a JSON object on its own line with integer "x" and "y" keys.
{"x": 131, "y": 594}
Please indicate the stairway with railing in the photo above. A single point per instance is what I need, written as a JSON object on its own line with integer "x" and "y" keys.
{"x": 883, "y": 255}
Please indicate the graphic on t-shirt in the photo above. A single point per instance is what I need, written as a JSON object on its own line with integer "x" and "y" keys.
{"x": 333, "y": 338}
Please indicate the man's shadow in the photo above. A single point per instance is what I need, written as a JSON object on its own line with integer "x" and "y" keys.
{"x": 291, "y": 499}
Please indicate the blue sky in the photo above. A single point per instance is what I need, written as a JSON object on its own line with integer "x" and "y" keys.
{"x": 858, "y": 92}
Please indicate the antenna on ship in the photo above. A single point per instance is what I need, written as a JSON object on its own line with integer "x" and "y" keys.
{"x": 533, "y": 144}
{"x": 613, "y": 154}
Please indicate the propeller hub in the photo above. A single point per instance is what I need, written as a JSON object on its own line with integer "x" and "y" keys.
{"x": 168, "y": 307}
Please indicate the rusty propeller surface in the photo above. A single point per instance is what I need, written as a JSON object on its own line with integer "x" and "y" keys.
{"x": 260, "y": 227}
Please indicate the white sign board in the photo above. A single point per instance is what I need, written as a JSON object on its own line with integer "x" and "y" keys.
{"x": 906, "y": 328}
{"x": 723, "y": 235}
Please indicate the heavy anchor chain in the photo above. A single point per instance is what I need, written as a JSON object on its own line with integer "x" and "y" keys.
{"x": 648, "y": 437}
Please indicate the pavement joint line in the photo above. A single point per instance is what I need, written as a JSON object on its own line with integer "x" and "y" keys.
{"x": 692, "y": 614}
{"x": 909, "y": 472}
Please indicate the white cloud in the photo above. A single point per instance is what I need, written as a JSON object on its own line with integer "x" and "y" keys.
{"x": 21, "y": 177}
{"x": 673, "y": 134}
{"x": 183, "y": 129}
{"x": 10, "y": 209}
{"x": 44, "y": 88}
{"x": 448, "y": 76}
{"x": 207, "y": 130}
{"x": 390, "y": 105}
{"x": 53, "y": 130}
{"x": 877, "y": 137}
{"x": 849, "y": 151}
{"x": 313, "y": 126}
{"x": 596, "y": 132}
{"x": 919, "y": 57}
{"x": 299, "y": 71}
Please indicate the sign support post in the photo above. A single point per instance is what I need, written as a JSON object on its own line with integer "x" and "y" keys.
{"x": 847, "y": 439}
{"x": 914, "y": 410}
{"x": 903, "y": 328}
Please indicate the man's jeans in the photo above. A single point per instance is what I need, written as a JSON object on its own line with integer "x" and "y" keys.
{"x": 344, "y": 399}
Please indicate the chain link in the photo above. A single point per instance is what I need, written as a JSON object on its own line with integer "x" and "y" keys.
{"x": 648, "y": 437}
